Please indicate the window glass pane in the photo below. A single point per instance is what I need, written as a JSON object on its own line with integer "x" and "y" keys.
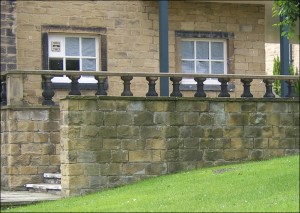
{"x": 202, "y": 67}
{"x": 72, "y": 46}
{"x": 56, "y": 64}
{"x": 217, "y": 67}
{"x": 72, "y": 64}
{"x": 217, "y": 52}
{"x": 88, "y": 47}
{"x": 187, "y": 67}
{"x": 202, "y": 50}
{"x": 187, "y": 48}
{"x": 88, "y": 64}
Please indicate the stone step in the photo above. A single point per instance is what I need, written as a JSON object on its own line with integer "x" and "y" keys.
{"x": 44, "y": 187}
{"x": 52, "y": 178}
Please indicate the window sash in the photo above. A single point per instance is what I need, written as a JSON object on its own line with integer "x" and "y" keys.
{"x": 82, "y": 58}
{"x": 210, "y": 61}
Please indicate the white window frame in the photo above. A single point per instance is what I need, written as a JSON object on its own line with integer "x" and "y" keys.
{"x": 62, "y": 55}
{"x": 208, "y": 81}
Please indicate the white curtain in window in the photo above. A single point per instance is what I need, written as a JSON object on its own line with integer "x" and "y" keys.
{"x": 217, "y": 52}
{"x": 88, "y": 47}
{"x": 187, "y": 48}
{"x": 202, "y": 50}
{"x": 72, "y": 46}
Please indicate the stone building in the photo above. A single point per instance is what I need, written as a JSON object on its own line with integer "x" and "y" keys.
{"x": 204, "y": 37}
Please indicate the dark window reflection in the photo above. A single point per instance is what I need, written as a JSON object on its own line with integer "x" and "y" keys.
{"x": 72, "y": 64}
{"x": 55, "y": 64}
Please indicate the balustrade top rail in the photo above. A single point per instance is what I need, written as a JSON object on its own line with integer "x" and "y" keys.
{"x": 145, "y": 74}
{"x": 126, "y": 77}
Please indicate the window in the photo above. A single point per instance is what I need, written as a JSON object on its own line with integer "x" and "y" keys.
{"x": 203, "y": 56}
{"x": 74, "y": 53}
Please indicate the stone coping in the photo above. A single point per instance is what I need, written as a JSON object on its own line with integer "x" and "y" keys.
{"x": 146, "y": 74}
{"x": 219, "y": 99}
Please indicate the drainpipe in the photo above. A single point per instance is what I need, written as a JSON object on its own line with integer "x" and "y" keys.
{"x": 163, "y": 47}
{"x": 284, "y": 59}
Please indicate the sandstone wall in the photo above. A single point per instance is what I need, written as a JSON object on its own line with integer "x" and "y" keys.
{"x": 133, "y": 38}
{"x": 123, "y": 140}
{"x": 30, "y": 145}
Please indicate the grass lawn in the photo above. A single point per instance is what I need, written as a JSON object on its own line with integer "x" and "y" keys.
{"x": 265, "y": 186}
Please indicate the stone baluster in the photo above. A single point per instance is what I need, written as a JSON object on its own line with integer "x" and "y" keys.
{"x": 176, "y": 90}
{"x": 126, "y": 83}
{"x": 74, "y": 85}
{"x": 100, "y": 85}
{"x": 269, "y": 91}
{"x": 246, "y": 83}
{"x": 48, "y": 92}
{"x": 3, "y": 91}
{"x": 291, "y": 88}
{"x": 200, "y": 90}
{"x": 151, "y": 84}
{"x": 224, "y": 85}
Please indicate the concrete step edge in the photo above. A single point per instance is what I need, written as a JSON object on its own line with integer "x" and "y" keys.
{"x": 52, "y": 175}
{"x": 44, "y": 186}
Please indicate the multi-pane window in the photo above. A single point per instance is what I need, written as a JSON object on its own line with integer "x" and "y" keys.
{"x": 203, "y": 57}
{"x": 74, "y": 53}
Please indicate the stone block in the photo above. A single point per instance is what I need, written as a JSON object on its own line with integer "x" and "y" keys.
{"x": 111, "y": 144}
{"x": 170, "y": 155}
{"x": 140, "y": 156}
{"x": 207, "y": 143}
{"x": 213, "y": 154}
{"x": 287, "y": 143}
{"x": 192, "y": 106}
{"x": 89, "y": 131}
{"x": 40, "y": 137}
{"x": 232, "y": 155}
{"x": 152, "y": 132}
{"x": 172, "y": 132}
{"x": 91, "y": 118}
{"x": 191, "y": 119}
{"x": 273, "y": 119}
{"x": 286, "y": 119}
{"x": 248, "y": 107}
{"x": 261, "y": 143}
{"x": 174, "y": 167}
{"x": 41, "y": 115}
{"x": 280, "y": 107}
{"x": 213, "y": 132}
{"x": 107, "y": 132}
{"x": 91, "y": 169}
{"x": 117, "y": 118}
{"x": 155, "y": 144}
{"x": 257, "y": 119}
{"x": 25, "y": 126}
{"x": 292, "y": 132}
{"x": 136, "y": 106}
{"x": 111, "y": 169}
{"x": 156, "y": 169}
{"x": 103, "y": 156}
{"x": 21, "y": 137}
{"x": 191, "y": 143}
{"x": 161, "y": 118}
{"x": 31, "y": 148}
{"x": 128, "y": 132}
{"x": 23, "y": 115}
{"x": 134, "y": 168}
{"x": 160, "y": 106}
{"x": 220, "y": 118}
{"x": 86, "y": 157}
{"x": 256, "y": 154}
{"x": 217, "y": 107}
{"x": 54, "y": 160}
{"x": 143, "y": 119}
{"x": 119, "y": 156}
{"x": 238, "y": 119}
{"x": 190, "y": 155}
{"x": 174, "y": 143}
{"x": 176, "y": 119}
{"x": 106, "y": 105}
{"x": 48, "y": 149}
{"x": 222, "y": 143}
{"x": 90, "y": 105}
{"x": 72, "y": 169}
{"x": 206, "y": 119}
{"x": 271, "y": 153}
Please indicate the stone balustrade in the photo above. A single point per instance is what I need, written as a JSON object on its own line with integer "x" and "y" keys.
{"x": 11, "y": 78}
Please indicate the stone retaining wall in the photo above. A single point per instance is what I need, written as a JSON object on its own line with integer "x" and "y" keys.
{"x": 30, "y": 145}
{"x": 110, "y": 141}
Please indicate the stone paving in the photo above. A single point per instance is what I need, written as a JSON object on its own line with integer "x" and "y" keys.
{"x": 15, "y": 198}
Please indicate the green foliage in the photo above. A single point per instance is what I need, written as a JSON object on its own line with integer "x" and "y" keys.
{"x": 290, "y": 10}
{"x": 276, "y": 71}
{"x": 266, "y": 186}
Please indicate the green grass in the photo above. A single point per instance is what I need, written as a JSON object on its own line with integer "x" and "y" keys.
{"x": 265, "y": 186}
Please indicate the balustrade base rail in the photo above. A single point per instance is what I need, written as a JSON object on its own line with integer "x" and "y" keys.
{"x": 175, "y": 78}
